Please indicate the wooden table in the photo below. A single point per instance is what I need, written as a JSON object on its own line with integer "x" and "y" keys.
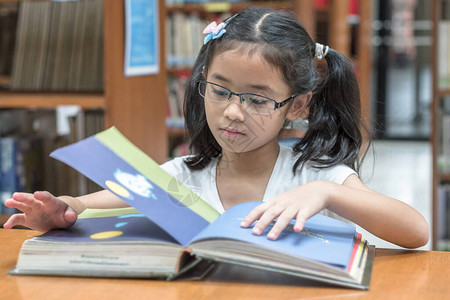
{"x": 397, "y": 274}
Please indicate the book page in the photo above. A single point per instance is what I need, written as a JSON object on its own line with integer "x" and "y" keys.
{"x": 124, "y": 226}
{"x": 111, "y": 161}
{"x": 323, "y": 239}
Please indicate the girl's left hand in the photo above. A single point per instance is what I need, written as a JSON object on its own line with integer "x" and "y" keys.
{"x": 300, "y": 203}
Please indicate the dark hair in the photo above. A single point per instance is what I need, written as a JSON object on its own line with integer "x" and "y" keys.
{"x": 334, "y": 133}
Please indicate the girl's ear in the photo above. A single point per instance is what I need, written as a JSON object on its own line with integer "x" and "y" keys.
{"x": 299, "y": 108}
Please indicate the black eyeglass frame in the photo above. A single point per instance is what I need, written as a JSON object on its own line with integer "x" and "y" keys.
{"x": 240, "y": 95}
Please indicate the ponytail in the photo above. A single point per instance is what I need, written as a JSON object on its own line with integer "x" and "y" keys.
{"x": 334, "y": 134}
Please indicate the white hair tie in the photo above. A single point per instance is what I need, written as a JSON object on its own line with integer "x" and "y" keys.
{"x": 321, "y": 51}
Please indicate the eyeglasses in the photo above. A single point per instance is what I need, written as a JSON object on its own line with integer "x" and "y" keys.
{"x": 252, "y": 103}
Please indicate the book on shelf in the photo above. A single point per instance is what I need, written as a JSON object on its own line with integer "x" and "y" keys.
{"x": 443, "y": 225}
{"x": 444, "y": 157}
{"x": 443, "y": 161}
{"x": 8, "y": 23}
{"x": 184, "y": 38}
{"x": 11, "y": 172}
{"x": 176, "y": 87}
{"x": 28, "y": 137}
{"x": 174, "y": 232}
{"x": 444, "y": 54}
{"x": 20, "y": 166}
{"x": 59, "y": 46}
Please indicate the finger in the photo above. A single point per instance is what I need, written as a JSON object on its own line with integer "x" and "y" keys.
{"x": 43, "y": 196}
{"x": 267, "y": 217}
{"x": 26, "y": 199}
{"x": 301, "y": 218}
{"x": 70, "y": 216}
{"x": 23, "y": 207}
{"x": 16, "y": 219}
{"x": 254, "y": 215}
{"x": 23, "y": 197}
{"x": 10, "y": 203}
{"x": 283, "y": 220}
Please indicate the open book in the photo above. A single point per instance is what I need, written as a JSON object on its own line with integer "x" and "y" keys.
{"x": 170, "y": 231}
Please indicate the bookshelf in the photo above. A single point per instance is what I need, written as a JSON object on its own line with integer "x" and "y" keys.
{"x": 439, "y": 132}
{"x": 125, "y": 100}
{"x": 46, "y": 100}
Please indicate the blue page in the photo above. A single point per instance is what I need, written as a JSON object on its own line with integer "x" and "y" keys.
{"x": 99, "y": 163}
{"x": 323, "y": 239}
{"x": 127, "y": 227}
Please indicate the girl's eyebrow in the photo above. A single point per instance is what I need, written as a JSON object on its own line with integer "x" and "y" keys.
{"x": 264, "y": 88}
{"x": 219, "y": 77}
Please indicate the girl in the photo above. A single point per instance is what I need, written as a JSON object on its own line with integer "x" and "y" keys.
{"x": 256, "y": 72}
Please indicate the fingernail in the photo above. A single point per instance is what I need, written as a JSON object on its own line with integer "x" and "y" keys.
{"x": 271, "y": 235}
{"x": 256, "y": 231}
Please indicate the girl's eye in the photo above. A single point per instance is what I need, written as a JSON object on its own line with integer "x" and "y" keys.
{"x": 257, "y": 101}
{"x": 219, "y": 92}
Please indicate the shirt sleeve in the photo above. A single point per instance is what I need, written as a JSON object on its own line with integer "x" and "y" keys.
{"x": 337, "y": 174}
{"x": 175, "y": 166}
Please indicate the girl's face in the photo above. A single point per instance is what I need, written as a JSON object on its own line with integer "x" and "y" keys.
{"x": 237, "y": 130}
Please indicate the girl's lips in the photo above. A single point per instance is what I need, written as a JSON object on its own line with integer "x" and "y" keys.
{"x": 233, "y": 133}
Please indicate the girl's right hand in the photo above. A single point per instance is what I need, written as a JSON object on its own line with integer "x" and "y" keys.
{"x": 40, "y": 211}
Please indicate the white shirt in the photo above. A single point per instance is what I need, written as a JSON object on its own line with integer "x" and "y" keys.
{"x": 203, "y": 182}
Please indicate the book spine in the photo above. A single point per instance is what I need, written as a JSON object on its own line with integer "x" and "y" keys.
{"x": 59, "y": 46}
{"x": 444, "y": 150}
{"x": 444, "y": 54}
{"x": 443, "y": 213}
{"x": 11, "y": 172}
{"x": 184, "y": 38}
{"x": 8, "y": 23}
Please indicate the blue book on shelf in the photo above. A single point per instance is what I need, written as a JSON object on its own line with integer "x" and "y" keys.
{"x": 20, "y": 167}
{"x": 12, "y": 178}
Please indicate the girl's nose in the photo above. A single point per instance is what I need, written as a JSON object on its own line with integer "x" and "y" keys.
{"x": 234, "y": 109}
